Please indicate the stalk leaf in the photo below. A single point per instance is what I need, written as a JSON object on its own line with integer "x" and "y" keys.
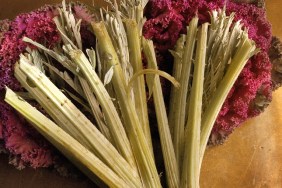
{"x": 117, "y": 33}
{"x": 190, "y": 176}
{"x": 181, "y": 96}
{"x": 97, "y": 143}
{"x": 172, "y": 171}
{"x": 96, "y": 111}
{"x": 176, "y": 73}
{"x": 246, "y": 49}
{"x": 112, "y": 118}
{"x": 153, "y": 72}
{"x": 139, "y": 144}
{"x": 56, "y": 55}
{"x": 86, "y": 161}
{"x": 222, "y": 45}
{"x": 118, "y": 134}
{"x": 139, "y": 90}
{"x": 69, "y": 29}
{"x": 66, "y": 77}
{"x": 109, "y": 75}
{"x": 52, "y": 110}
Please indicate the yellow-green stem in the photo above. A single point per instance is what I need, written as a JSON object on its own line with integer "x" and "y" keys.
{"x": 95, "y": 108}
{"x": 190, "y": 176}
{"x": 181, "y": 95}
{"x": 86, "y": 161}
{"x": 98, "y": 143}
{"x": 52, "y": 110}
{"x": 140, "y": 146}
{"x": 246, "y": 49}
{"x": 176, "y": 73}
{"x": 135, "y": 58}
{"x": 112, "y": 118}
{"x": 171, "y": 166}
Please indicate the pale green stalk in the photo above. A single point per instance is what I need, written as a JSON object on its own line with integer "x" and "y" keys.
{"x": 64, "y": 76}
{"x": 190, "y": 176}
{"x": 86, "y": 161}
{"x": 221, "y": 48}
{"x": 153, "y": 72}
{"x": 139, "y": 144}
{"x": 99, "y": 144}
{"x": 181, "y": 95}
{"x": 69, "y": 28}
{"x": 95, "y": 109}
{"x": 139, "y": 90}
{"x": 246, "y": 48}
{"x": 176, "y": 73}
{"x": 52, "y": 110}
{"x": 171, "y": 166}
{"x": 112, "y": 118}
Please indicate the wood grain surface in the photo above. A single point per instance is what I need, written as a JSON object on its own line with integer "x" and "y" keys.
{"x": 250, "y": 158}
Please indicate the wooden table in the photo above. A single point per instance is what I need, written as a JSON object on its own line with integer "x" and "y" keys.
{"x": 251, "y": 157}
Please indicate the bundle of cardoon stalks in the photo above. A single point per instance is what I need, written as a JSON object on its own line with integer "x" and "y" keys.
{"x": 83, "y": 78}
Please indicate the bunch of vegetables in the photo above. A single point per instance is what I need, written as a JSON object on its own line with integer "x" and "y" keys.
{"x": 82, "y": 78}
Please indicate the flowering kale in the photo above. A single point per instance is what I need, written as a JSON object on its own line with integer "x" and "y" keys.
{"x": 167, "y": 19}
{"x": 24, "y": 143}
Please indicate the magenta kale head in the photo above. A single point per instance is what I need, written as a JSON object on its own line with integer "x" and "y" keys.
{"x": 167, "y": 19}
{"x": 23, "y": 143}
